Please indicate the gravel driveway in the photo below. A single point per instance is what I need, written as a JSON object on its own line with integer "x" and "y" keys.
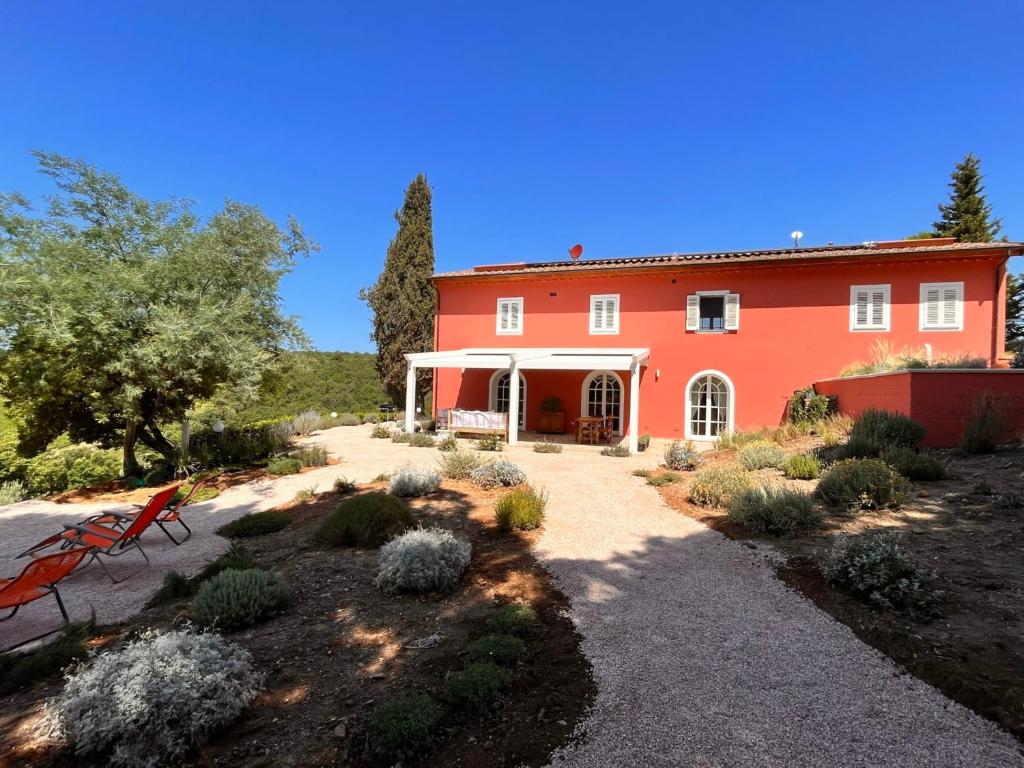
{"x": 702, "y": 656}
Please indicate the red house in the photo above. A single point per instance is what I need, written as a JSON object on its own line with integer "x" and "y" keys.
{"x": 694, "y": 345}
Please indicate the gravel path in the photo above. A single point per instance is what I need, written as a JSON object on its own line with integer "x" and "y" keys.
{"x": 702, "y": 657}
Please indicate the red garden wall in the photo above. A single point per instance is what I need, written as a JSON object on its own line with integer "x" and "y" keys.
{"x": 941, "y": 400}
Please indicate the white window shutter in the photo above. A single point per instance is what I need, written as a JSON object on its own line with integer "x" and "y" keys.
{"x": 878, "y": 308}
{"x": 732, "y": 312}
{"x": 863, "y": 301}
{"x": 932, "y": 311}
{"x": 513, "y": 319}
{"x": 692, "y": 312}
{"x": 611, "y": 312}
{"x": 598, "y": 322}
{"x": 950, "y": 301}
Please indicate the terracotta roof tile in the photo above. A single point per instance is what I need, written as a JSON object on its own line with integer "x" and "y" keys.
{"x": 779, "y": 255}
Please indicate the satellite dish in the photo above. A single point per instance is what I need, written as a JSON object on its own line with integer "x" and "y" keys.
{"x": 796, "y": 234}
{"x": 575, "y": 252}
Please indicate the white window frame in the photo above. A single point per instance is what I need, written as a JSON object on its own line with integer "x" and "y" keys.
{"x": 886, "y": 288}
{"x": 730, "y": 406}
{"x": 510, "y": 300}
{"x": 923, "y": 307}
{"x": 725, "y": 294}
{"x": 594, "y": 298}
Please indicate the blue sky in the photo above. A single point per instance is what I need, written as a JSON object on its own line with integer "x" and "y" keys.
{"x": 632, "y": 128}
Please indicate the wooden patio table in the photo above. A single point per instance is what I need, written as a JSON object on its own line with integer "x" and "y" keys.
{"x": 590, "y": 427}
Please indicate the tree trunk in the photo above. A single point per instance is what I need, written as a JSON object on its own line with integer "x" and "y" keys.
{"x": 130, "y": 464}
{"x": 152, "y": 437}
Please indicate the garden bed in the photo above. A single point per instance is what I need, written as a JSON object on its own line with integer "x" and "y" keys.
{"x": 342, "y": 647}
{"x": 969, "y": 528}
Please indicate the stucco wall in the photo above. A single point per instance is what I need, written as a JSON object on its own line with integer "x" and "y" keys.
{"x": 794, "y": 329}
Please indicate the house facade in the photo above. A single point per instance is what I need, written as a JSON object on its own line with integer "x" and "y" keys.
{"x": 691, "y": 346}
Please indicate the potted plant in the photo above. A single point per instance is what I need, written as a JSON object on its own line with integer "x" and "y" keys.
{"x": 552, "y": 416}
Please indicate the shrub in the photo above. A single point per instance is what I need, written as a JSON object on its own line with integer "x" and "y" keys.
{"x": 715, "y": 486}
{"x": 349, "y": 420}
{"x": 236, "y": 599}
{"x": 367, "y": 520}
{"x": 311, "y": 456}
{"x": 806, "y": 406}
{"x": 682, "y": 455}
{"x": 520, "y": 509}
{"x": 370, "y": 418}
{"x": 380, "y": 432}
{"x": 381, "y": 477}
{"x": 236, "y": 556}
{"x": 421, "y": 440}
{"x": 283, "y": 466}
{"x": 543, "y": 446}
{"x": 643, "y": 443}
{"x": 410, "y": 482}
{"x": 205, "y": 493}
{"x": 641, "y": 472}
{"x": 404, "y": 726}
{"x": 618, "y": 451}
{"x": 21, "y": 670}
{"x": 307, "y": 422}
{"x": 498, "y": 473}
{"x": 914, "y": 465}
{"x": 863, "y": 484}
{"x": 884, "y": 429}
{"x": 761, "y": 454}
{"x": 64, "y": 465}
{"x": 12, "y": 492}
{"x": 802, "y": 466}
{"x": 459, "y": 464}
{"x": 422, "y": 560}
{"x": 448, "y": 443}
{"x": 237, "y": 445}
{"x": 517, "y": 619}
{"x": 173, "y": 587}
{"x": 158, "y": 474}
{"x": 479, "y": 686}
{"x": 256, "y": 524}
{"x": 875, "y": 568}
{"x": 503, "y": 650}
{"x": 663, "y": 478}
{"x": 490, "y": 443}
{"x": 985, "y": 425}
{"x": 343, "y": 485}
{"x": 399, "y": 436}
{"x": 306, "y": 494}
{"x": 151, "y": 702}
{"x": 779, "y": 511}
{"x": 731, "y": 441}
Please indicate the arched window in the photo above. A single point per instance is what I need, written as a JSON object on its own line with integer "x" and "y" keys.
{"x": 500, "y": 395}
{"x": 709, "y": 405}
{"x": 602, "y": 396}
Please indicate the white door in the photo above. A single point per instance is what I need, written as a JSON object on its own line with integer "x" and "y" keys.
{"x": 602, "y": 396}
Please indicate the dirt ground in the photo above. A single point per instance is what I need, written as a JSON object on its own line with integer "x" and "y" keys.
{"x": 969, "y": 528}
{"x": 342, "y": 646}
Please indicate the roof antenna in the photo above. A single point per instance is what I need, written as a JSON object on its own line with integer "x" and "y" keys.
{"x": 796, "y": 234}
{"x": 575, "y": 252}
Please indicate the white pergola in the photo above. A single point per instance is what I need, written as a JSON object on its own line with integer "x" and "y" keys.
{"x": 532, "y": 359}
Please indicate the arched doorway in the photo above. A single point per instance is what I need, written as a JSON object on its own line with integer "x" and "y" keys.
{"x": 602, "y": 396}
{"x": 500, "y": 395}
{"x": 709, "y": 405}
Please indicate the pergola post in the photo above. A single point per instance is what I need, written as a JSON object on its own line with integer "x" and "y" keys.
{"x": 410, "y": 398}
{"x": 513, "y": 402}
{"x": 634, "y": 406}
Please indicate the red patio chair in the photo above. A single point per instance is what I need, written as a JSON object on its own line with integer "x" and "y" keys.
{"x": 171, "y": 513}
{"x": 38, "y": 579}
{"x": 109, "y": 540}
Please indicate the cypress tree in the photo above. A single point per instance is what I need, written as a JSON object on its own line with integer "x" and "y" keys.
{"x": 403, "y": 299}
{"x": 967, "y": 214}
{"x": 1014, "y": 312}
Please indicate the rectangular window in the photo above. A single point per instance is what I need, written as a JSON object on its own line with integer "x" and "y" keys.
{"x": 604, "y": 313}
{"x": 510, "y": 317}
{"x": 713, "y": 311}
{"x": 942, "y": 307}
{"x": 869, "y": 307}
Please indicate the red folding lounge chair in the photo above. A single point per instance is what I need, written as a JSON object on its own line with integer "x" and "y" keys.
{"x": 108, "y": 540}
{"x": 38, "y": 579}
{"x": 171, "y": 513}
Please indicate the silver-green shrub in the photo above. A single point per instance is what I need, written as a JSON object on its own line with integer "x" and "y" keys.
{"x": 12, "y": 492}
{"x": 414, "y": 481}
{"x": 307, "y": 422}
{"x": 151, "y": 702}
{"x": 458, "y": 464}
{"x": 715, "y": 486}
{"x": 761, "y": 454}
{"x": 235, "y": 599}
{"x": 682, "y": 455}
{"x": 498, "y": 473}
{"x": 423, "y": 560}
{"x": 875, "y": 568}
{"x": 779, "y": 511}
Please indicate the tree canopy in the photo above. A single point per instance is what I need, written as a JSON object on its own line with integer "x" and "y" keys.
{"x": 403, "y": 300}
{"x": 967, "y": 216}
{"x": 118, "y": 313}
